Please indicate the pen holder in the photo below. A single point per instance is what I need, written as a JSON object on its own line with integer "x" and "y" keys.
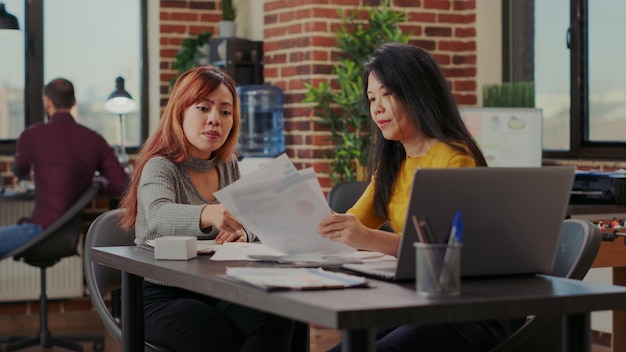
{"x": 438, "y": 269}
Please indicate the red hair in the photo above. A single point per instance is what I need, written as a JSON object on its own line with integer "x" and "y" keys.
{"x": 169, "y": 141}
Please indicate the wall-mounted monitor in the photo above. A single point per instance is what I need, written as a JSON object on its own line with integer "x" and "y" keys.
{"x": 507, "y": 136}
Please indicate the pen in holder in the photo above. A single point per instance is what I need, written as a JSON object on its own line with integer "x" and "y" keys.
{"x": 430, "y": 265}
{"x": 438, "y": 269}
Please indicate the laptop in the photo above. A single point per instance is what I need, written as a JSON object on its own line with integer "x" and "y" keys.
{"x": 512, "y": 219}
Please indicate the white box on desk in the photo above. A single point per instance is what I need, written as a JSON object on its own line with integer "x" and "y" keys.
{"x": 176, "y": 247}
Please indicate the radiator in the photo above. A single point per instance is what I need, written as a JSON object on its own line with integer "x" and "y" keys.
{"x": 20, "y": 282}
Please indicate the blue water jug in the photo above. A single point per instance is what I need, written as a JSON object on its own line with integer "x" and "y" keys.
{"x": 261, "y": 133}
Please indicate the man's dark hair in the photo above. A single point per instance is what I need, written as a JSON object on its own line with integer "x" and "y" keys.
{"x": 61, "y": 92}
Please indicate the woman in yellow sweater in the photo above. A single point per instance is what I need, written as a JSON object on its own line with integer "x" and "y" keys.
{"x": 419, "y": 126}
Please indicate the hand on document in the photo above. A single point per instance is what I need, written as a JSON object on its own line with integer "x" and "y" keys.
{"x": 282, "y": 206}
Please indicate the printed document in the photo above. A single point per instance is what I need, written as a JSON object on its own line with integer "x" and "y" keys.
{"x": 294, "y": 278}
{"x": 282, "y": 206}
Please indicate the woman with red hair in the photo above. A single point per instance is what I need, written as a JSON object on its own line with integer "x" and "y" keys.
{"x": 189, "y": 157}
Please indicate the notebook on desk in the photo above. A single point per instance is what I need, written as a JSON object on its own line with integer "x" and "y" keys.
{"x": 512, "y": 217}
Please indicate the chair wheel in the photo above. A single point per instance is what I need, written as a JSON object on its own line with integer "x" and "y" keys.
{"x": 98, "y": 346}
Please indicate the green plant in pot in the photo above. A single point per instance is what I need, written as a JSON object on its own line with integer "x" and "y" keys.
{"x": 227, "y": 26}
{"x": 190, "y": 53}
{"x": 342, "y": 109}
{"x": 229, "y": 13}
{"x": 509, "y": 94}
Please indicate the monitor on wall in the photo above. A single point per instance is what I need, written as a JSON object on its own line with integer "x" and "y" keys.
{"x": 507, "y": 136}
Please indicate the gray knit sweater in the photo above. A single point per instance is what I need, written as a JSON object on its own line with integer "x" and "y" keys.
{"x": 168, "y": 204}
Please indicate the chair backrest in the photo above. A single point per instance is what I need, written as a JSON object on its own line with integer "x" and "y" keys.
{"x": 578, "y": 246}
{"x": 579, "y": 243}
{"x": 60, "y": 239}
{"x": 342, "y": 196}
{"x": 105, "y": 231}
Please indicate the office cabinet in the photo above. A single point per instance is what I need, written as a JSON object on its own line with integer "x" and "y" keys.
{"x": 243, "y": 58}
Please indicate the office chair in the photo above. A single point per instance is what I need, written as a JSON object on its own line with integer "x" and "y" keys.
{"x": 102, "y": 281}
{"x": 342, "y": 197}
{"x": 56, "y": 242}
{"x": 579, "y": 243}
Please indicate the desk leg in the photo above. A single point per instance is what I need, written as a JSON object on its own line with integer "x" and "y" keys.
{"x": 618, "y": 335}
{"x": 301, "y": 340}
{"x": 358, "y": 340}
{"x": 577, "y": 334}
{"x": 132, "y": 313}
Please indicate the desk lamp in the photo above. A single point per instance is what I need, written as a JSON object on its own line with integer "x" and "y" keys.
{"x": 7, "y": 21}
{"x": 120, "y": 102}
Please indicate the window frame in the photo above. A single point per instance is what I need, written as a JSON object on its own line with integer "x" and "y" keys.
{"x": 577, "y": 39}
{"x": 34, "y": 45}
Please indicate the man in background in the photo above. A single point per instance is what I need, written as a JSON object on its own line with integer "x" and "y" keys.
{"x": 63, "y": 157}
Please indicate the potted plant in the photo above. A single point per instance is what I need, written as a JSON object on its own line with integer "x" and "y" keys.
{"x": 192, "y": 51}
{"x": 227, "y": 25}
{"x": 509, "y": 94}
{"x": 342, "y": 110}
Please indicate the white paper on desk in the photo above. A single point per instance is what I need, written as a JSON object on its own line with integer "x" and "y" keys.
{"x": 294, "y": 278}
{"x": 241, "y": 250}
{"x": 282, "y": 206}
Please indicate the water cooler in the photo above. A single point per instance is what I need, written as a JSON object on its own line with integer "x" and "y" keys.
{"x": 261, "y": 134}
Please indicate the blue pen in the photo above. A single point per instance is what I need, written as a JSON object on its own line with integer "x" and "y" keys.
{"x": 459, "y": 231}
{"x": 454, "y": 229}
{"x": 456, "y": 232}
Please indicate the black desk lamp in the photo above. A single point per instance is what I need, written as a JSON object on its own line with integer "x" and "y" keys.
{"x": 7, "y": 21}
{"x": 120, "y": 102}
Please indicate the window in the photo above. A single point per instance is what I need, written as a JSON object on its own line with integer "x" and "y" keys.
{"x": 552, "y": 72}
{"x": 579, "y": 81}
{"x": 88, "y": 42}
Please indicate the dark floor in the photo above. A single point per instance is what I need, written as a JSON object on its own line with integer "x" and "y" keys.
{"x": 86, "y": 321}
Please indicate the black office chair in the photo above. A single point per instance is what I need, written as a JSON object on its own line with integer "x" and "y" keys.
{"x": 342, "y": 197}
{"x": 103, "y": 281}
{"x": 579, "y": 243}
{"x": 58, "y": 241}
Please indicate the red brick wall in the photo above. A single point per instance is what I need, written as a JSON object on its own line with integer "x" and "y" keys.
{"x": 179, "y": 20}
{"x": 299, "y": 46}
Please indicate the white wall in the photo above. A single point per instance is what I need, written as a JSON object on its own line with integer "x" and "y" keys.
{"x": 249, "y": 19}
{"x": 488, "y": 44}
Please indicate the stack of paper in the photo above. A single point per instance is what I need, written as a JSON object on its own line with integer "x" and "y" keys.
{"x": 294, "y": 278}
{"x": 259, "y": 252}
{"x": 282, "y": 207}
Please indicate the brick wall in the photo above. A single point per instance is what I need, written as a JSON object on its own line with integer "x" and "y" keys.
{"x": 299, "y": 46}
{"x": 179, "y": 20}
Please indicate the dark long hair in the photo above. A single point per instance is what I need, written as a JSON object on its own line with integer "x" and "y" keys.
{"x": 413, "y": 76}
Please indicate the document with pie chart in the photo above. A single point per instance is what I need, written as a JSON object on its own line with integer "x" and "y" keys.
{"x": 282, "y": 206}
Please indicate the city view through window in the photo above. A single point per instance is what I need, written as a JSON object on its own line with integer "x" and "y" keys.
{"x": 89, "y": 42}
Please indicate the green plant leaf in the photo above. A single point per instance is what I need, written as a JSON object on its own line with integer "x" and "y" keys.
{"x": 229, "y": 12}
{"x": 189, "y": 53}
{"x": 343, "y": 110}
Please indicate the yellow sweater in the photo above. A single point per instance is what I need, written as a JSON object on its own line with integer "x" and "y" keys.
{"x": 439, "y": 155}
